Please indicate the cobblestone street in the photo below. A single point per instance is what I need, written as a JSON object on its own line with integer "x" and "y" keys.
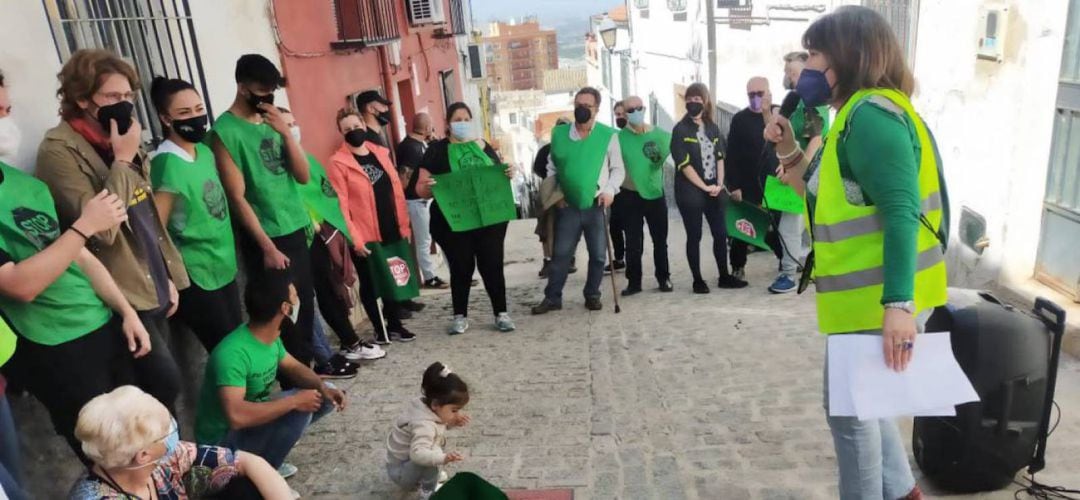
{"x": 679, "y": 397}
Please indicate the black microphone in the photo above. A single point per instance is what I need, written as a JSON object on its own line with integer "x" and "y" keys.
{"x": 791, "y": 102}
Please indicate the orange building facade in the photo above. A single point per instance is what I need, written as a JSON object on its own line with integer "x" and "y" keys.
{"x": 518, "y": 55}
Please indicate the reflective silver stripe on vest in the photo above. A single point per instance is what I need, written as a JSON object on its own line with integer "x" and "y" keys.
{"x": 875, "y": 276}
{"x": 832, "y": 233}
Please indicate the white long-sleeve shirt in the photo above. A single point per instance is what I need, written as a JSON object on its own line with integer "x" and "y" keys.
{"x": 613, "y": 171}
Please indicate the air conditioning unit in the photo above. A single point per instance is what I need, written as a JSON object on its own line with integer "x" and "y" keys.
{"x": 425, "y": 12}
{"x": 475, "y": 71}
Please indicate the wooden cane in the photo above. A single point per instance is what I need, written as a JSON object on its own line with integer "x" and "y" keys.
{"x": 611, "y": 261}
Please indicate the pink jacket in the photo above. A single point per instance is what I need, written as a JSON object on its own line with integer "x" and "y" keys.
{"x": 357, "y": 198}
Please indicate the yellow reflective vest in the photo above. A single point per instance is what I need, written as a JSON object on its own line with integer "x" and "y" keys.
{"x": 849, "y": 240}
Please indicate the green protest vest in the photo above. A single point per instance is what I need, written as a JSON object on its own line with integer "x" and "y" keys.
{"x": 467, "y": 156}
{"x": 644, "y": 156}
{"x": 199, "y": 222}
{"x": 849, "y": 240}
{"x": 270, "y": 189}
{"x": 322, "y": 200}
{"x": 68, "y": 308}
{"x": 578, "y": 163}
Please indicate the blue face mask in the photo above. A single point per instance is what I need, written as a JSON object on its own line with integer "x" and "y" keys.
{"x": 814, "y": 88}
{"x": 462, "y": 131}
{"x": 636, "y": 118}
{"x": 172, "y": 442}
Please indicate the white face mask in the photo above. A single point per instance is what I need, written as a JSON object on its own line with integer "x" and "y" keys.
{"x": 10, "y": 136}
{"x": 295, "y": 313}
{"x": 295, "y": 131}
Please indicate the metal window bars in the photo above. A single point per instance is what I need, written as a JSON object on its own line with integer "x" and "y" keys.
{"x": 156, "y": 36}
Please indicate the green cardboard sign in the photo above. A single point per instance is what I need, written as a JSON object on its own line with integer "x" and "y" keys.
{"x": 780, "y": 196}
{"x": 746, "y": 222}
{"x": 475, "y": 198}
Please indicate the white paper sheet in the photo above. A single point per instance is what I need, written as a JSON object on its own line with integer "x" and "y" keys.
{"x": 861, "y": 385}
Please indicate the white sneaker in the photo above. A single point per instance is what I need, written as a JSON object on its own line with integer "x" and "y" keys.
{"x": 443, "y": 476}
{"x": 295, "y": 494}
{"x": 363, "y": 350}
{"x": 459, "y": 326}
{"x": 504, "y": 323}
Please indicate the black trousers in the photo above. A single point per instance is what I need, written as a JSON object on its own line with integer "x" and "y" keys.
{"x": 369, "y": 299}
{"x": 333, "y": 308}
{"x": 65, "y": 377}
{"x": 297, "y": 338}
{"x": 693, "y": 208}
{"x": 210, "y": 314}
{"x": 468, "y": 251}
{"x": 634, "y": 211}
{"x": 617, "y": 226}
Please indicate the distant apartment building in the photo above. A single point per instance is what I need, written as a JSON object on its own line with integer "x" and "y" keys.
{"x": 518, "y": 54}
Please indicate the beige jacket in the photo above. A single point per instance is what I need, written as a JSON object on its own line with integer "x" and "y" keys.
{"x": 417, "y": 436}
{"x": 74, "y": 172}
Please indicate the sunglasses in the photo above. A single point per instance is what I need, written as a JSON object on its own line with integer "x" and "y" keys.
{"x": 634, "y": 110}
{"x": 756, "y": 94}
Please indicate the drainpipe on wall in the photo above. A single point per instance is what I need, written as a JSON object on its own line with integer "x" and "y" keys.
{"x": 710, "y": 32}
{"x": 388, "y": 87}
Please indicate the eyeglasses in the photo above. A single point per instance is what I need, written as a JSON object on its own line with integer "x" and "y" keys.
{"x": 760, "y": 93}
{"x": 116, "y": 97}
{"x": 634, "y": 110}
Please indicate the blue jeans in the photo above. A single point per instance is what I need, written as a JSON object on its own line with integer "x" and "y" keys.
{"x": 274, "y": 440}
{"x": 9, "y": 454}
{"x": 570, "y": 223}
{"x": 870, "y": 454}
{"x": 409, "y": 475}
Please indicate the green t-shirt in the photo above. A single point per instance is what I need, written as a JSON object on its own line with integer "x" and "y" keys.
{"x": 809, "y": 124}
{"x": 322, "y": 200}
{"x": 644, "y": 156}
{"x": 240, "y": 360}
{"x": 199, "y": 223}
{"x": 269, "y": 186}
{"x": 68, "y": 308}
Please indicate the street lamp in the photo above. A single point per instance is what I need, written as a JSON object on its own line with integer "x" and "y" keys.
{"x": 609, "y": 33}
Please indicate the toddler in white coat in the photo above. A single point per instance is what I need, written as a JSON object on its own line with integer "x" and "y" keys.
{"x": 414, "y": 448}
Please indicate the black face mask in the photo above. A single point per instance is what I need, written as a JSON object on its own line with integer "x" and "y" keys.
{"x": 384, "y": 117}
{"x": 254, "y": 100}
{"x": 356, "y": 137}
{"x": 121, "y": 112}
{"x": 582, "y": 115}
{"x": 620, "y": 122}
{"x": 695, "y": 108}
{"x": 191, "y": 129}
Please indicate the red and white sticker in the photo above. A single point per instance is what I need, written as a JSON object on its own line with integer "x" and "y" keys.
{"x": 745, "y": 227}
{"x": 400, "y": 270}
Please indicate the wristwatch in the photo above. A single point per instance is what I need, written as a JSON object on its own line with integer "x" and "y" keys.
{"x": 908, "y": 306}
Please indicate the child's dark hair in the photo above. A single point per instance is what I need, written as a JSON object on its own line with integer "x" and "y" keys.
{"x": 163, "y": 89}
{"x": 443, "y": 387}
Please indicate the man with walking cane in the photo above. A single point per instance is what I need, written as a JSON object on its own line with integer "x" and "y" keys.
{"x": 587, "y": 162}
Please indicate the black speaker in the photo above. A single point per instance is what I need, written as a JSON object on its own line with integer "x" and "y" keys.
{"x": 1010, "y": 357}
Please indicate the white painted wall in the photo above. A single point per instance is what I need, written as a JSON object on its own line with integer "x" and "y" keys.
{"x": 226, "y": 31}
{"x": 30, "y": 62}
{"x": 664, "y": 53}
{"x": 993, "y": 123}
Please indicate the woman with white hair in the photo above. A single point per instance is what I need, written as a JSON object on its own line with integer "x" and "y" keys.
{"x": 136, "y": 450}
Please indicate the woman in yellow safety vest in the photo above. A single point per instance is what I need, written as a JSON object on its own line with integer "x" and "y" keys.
{"x": 876, "y": 204}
